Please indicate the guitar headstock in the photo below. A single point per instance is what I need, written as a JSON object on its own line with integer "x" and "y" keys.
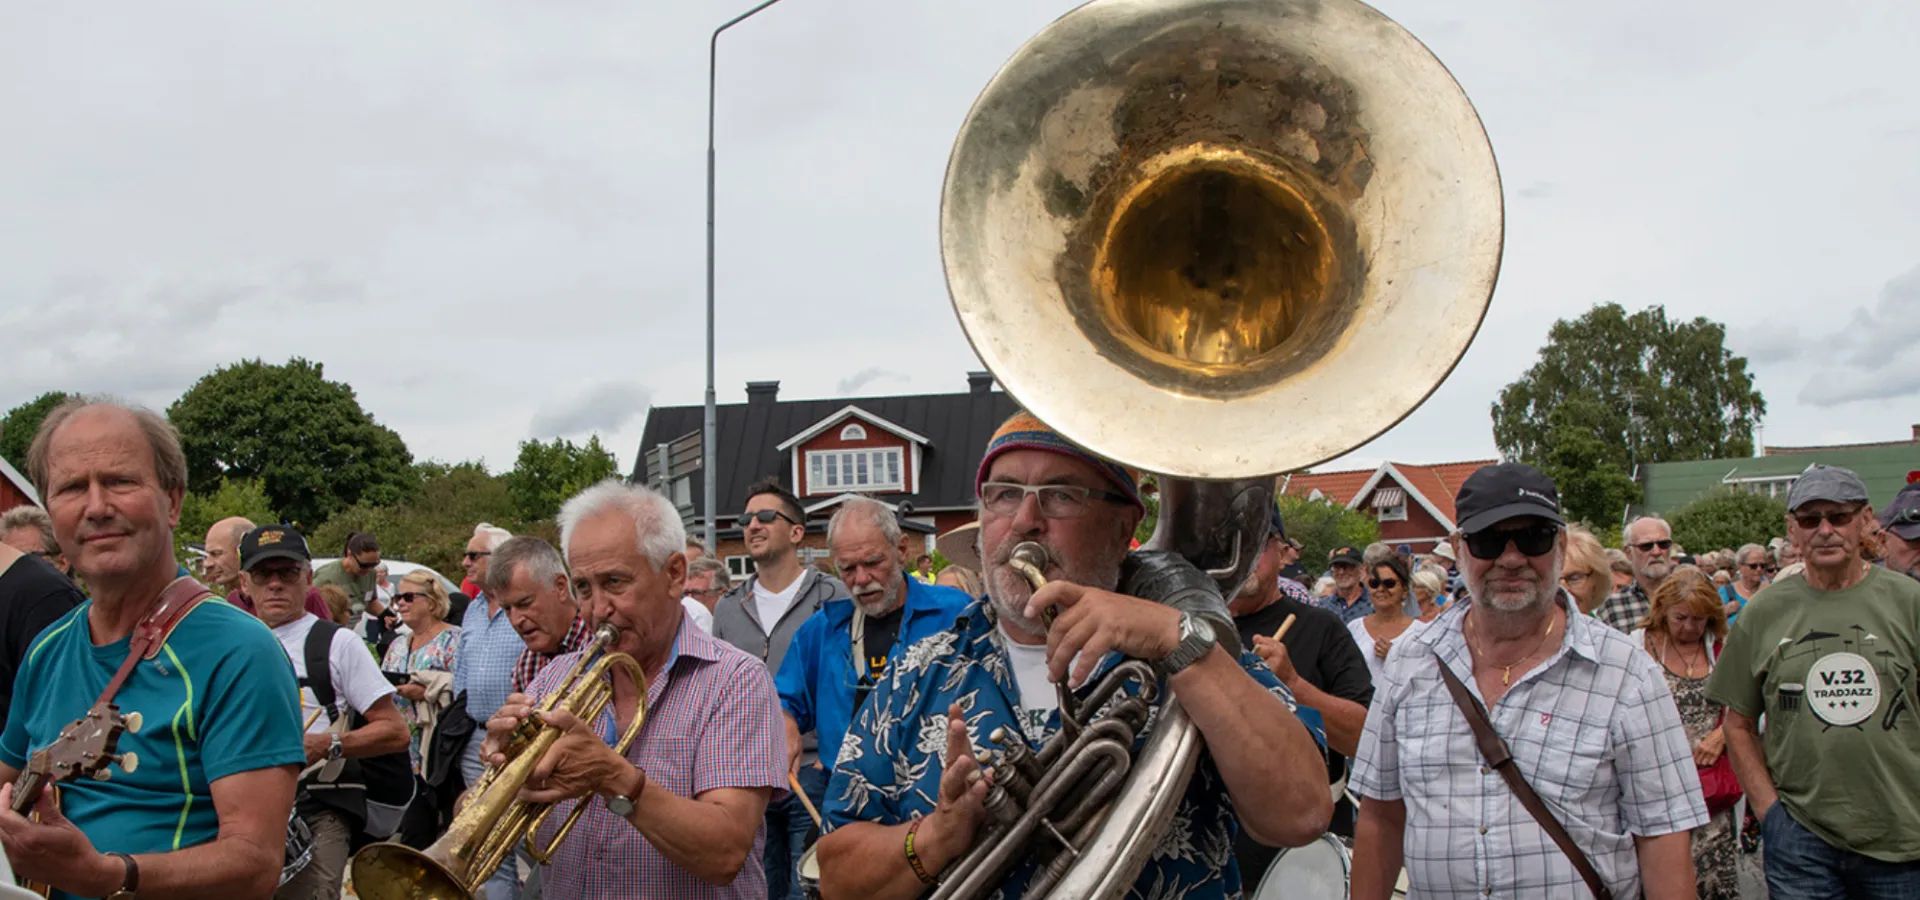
{"x": 85, "y": 748}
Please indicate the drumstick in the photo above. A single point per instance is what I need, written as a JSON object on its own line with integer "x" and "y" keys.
{"x": 1285, "y": 625}
{"x": 315, "y": 717}
{"x": 797, "y": 792}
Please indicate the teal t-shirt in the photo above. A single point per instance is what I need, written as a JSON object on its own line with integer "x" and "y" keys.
{"x": 217, "y": 700}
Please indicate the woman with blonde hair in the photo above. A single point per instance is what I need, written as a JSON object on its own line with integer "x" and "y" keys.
{"x": 1586, "y": 574}
{"x": 425, "y": 654}
{"x": 1683, "y": 633}
{"x": 1429, "y": 585}
{"x": 959, "y": 576}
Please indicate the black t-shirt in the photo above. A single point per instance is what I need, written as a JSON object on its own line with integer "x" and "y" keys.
{"x": 1323, "y": 652}
{"x": 33, "y": 595}
{"x": 877, "y": 641}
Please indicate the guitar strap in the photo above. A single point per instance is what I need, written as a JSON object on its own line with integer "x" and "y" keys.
{"x": 151, "y": 634}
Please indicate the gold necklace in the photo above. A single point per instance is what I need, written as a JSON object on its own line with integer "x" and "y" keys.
{"x": 1666, "y": 644}
{"x": 1506, "y": 671}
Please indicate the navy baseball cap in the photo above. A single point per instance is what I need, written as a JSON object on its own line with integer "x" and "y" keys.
{"x": 1902, "y": 516}
{"x": 1496, "y": 493}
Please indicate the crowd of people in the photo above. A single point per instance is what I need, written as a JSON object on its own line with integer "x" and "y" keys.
{"x": 1517, "y": 712}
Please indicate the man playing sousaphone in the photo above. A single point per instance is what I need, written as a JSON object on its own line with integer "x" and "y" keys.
{"x": 219, "y": 733}
{"x": 906, "y": 799}
{"x": 680, "y": 815}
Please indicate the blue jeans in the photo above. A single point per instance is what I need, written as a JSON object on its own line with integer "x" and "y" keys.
{"x": 1801, "y": 866}
{"x": 788, "y": 827}
{"x": 505, "y": 883}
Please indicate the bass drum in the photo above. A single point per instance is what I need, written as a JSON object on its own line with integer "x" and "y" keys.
{"x": 810, "y": 873}
{"x": 1318, "y": 871}
{"x": 299, "y": 848}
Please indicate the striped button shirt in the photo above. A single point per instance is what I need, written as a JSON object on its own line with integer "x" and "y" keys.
{"x": 1595, "y": 732}
{"x": 489, "y": 649}
{"x": 713, "y": 721}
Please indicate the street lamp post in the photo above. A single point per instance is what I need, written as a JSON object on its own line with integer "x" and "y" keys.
{"x": 710, "y": 426}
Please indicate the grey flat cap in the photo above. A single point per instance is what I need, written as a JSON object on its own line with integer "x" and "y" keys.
{"x": 1830, "y": 483}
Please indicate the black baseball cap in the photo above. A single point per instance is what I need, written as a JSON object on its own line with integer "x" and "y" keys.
{"x": 272, "y": 542}
{"x": 1347, "y": 555}
{"x": 1503, "y": 491}
{"x": 1277, "y": 528}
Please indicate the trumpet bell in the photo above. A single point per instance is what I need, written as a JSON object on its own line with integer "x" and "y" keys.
{"x": 1174, "y": 227}
{"x": 390, "y": 871}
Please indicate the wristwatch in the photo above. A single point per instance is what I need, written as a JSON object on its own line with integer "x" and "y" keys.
{"x": 131, "y": 882}
{"x": 1196, "y": 638}
{"x": 334, "y": 750}
{"x": 622, "y": 805}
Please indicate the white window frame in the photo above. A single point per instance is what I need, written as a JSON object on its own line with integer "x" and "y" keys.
{"x": 842, "y": 471}
{"x": 1394, "y": 513}
{"x": 740, "y": 568}
{"x": 853, "y": 431}
{"x": 1774, "y": 486}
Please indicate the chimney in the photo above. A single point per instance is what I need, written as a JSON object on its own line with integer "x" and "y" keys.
{"x": 1916, "y": 432}
{"x": 980, "y": 383}
{"x": 759, "y": 392}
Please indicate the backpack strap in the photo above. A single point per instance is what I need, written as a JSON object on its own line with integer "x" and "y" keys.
{"x": 319, "y": 668}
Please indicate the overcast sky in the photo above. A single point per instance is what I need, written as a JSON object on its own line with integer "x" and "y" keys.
{"x": 488, "y": 217}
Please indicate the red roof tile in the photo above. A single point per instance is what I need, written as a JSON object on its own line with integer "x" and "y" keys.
{"x": 1437, "y": 483}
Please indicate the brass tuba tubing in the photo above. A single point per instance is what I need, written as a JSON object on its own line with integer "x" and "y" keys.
{"x": 494, "y": 819}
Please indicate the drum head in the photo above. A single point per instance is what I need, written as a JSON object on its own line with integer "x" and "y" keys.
{"x": 1317, "y": 871}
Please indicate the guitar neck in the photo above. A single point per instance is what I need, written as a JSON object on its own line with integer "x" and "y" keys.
{"x": 26, "y": 791}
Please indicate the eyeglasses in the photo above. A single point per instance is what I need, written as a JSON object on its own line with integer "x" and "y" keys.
{"x": 1647, "y": 546}
{"x": 277, "y": 573}
{"x": 1535, "y": 541}
{"x": 1574, "y": 579}
{"x": 1811, "y": 521}
{"x": 764, "y": 517}
{"x": 1057, "y": 501}
{"x": 708, "y": 592}
{"x": 474, "y": 555}
{"x": 1383, "y": 583}
{"x": 1770, "y": 569}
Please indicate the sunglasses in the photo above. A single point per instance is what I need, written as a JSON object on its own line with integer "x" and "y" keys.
{"x": 1811, "y": 521}
{"x": 1761, "y": 566}
{"x": 1535, "y": 541}
{"x": 1647, "y": 546}
{"x": 764, "y": 517}
{"x": 267, "y": 575}
{"x": 409, "y": 597}
{"x": 472, "y": 555}
{"x": 1383, "y": 583}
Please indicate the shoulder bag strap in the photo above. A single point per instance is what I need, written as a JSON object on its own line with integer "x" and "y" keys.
{"x": 1495, "y": 752}
{"x": 319, "y": 653}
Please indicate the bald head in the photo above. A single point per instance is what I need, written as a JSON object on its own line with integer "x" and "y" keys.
{"x": 223, "y": 551}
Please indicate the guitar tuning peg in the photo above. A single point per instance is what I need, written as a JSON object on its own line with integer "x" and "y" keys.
{"x": 129, "y": 762}
{"x": 133, "y": 721}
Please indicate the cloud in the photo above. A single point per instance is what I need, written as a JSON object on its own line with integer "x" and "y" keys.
{"x": 605, "y": 407}
{"x": 858, "y": 381}
{"x": 1539, "y": 190}
{"x": 1876, "y": 355}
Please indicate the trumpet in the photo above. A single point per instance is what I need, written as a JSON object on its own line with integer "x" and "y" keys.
{"x": 494, "y": 819}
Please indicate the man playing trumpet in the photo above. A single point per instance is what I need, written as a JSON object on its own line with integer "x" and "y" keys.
{"x": 680, "y": 815}
{"x": 906, "y": 799}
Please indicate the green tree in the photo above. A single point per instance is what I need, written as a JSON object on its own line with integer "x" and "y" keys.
{"x": 431, "y": 527}
{"x": 1320, "y": 526}
{"x": 1612, "y": 390}
{"x": 22, "y": 422}
{"x": 545, "y": 475}
{"x": 306, "y": 439}
{"x": 1727, "y": 517}
{"x": 239, "y": 497}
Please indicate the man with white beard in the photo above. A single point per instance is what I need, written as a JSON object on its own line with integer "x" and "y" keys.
{"x": 1586, "y": 715}
{"x": 1649, "y": 546}
{"x": 840, "y": 652}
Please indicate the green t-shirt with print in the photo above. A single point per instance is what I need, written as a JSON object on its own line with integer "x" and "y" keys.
{"x": 1834, "y": 673}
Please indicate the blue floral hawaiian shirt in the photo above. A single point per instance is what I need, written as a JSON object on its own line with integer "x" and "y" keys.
{"x": 890, "y": 764}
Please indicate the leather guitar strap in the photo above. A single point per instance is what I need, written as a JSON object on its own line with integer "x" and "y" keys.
{"x": 1494, "y": 750}
{"x": 151, "y": 634}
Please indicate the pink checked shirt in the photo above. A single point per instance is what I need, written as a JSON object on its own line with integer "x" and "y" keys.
{"x": 713, "y": 721}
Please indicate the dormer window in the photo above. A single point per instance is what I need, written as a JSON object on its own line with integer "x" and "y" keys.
{"x": 853, "y": 432}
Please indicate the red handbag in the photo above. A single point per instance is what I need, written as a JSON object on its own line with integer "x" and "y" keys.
{"x": 1718, "y": 782}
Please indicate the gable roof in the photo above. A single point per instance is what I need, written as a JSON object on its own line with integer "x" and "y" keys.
{"x": 955, "y": 427}
{"x": 1431, "y": 486}
{"x": 1668, "y": 486}
{"x": 20, "y": 481}
{"x": 849, "y": 410}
